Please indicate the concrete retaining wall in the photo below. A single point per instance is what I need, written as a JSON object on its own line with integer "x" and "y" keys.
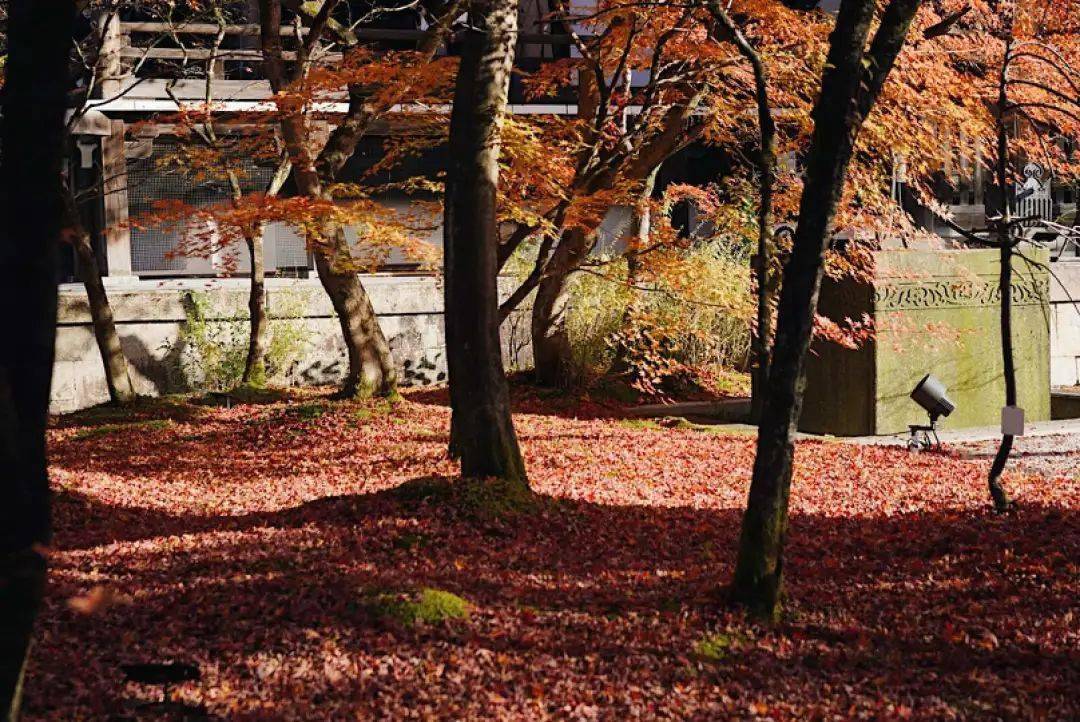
{"x": 151, "y": 317}
{"x": 935, "y": 312}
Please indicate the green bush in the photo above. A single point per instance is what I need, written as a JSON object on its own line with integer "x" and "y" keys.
{"x": 692, "y": 318}
{"x": 213, "y": 343}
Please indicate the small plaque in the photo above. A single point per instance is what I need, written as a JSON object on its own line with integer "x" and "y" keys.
{"x": 1012, "y": 421}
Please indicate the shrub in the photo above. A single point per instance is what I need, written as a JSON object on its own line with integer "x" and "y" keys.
{"x": 213, "y": 343}
{"x": 689, "y": 322}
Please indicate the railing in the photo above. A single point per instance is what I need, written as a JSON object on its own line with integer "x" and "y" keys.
{"x": 170, "y": 33}
{"x": 159, "y": 50}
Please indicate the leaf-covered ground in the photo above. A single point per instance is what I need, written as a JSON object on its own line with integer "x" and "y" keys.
{"x": 253, "y": 540}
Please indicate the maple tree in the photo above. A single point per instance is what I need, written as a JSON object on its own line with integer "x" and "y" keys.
{"x": 1021, "y": 56}
{"x": 34, "y": 96}
{"x": 298, "y": 85}
{"x": 88, "y": 68}
{"x": 605, "y": 155}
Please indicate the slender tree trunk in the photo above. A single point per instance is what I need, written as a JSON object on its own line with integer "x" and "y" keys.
{"x": 255, "y": 363}
{"x": 640, "y": 230}
{"x": 117, "y": 375}
{"x": 766, "y": 280}
{"x": 371, "y": 364}
{"x": 550, "y": 337}
{"x": 1004, "y": 238}
{"x": 482, "y": 431}
{"x": 850, "y": 85}
{"x": 31, "y": 148}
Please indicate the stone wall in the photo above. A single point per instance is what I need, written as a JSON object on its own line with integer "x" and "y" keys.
{"x": 934, "y": 312}
{"x": 151, "y": 318}
{"x": 1065, "y": 324}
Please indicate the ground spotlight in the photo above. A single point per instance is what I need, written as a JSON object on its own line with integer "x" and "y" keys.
{"x": 932, "y": 396}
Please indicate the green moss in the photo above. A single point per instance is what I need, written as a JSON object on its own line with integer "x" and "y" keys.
{"x": 494, "y": 499}
{"x": 416, "y": 491}
{"x": 308, "y": 412}
{"x": 428, "y": 606}
{"x": 367, "y": 409}
{"x": 107, "y": 429}
{"x": 639, "y": 424}
{"x": 478, "y": 499}
{"x": 410, "y": 541}
{"x": 717, "y": 647}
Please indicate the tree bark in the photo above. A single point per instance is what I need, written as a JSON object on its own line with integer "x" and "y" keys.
{"x": 550, "y": 337}
{"x": 850, "y": 86}
{"x": 1004, "y": 237}
{"x": 766, "y": 281}
{"x": 640, "y": 231}
{"x": 371, "y": 365}
{"x": 32, "y": 142}
{"x": 482, "y": 430}
{"x": 255, "y": 363}
{"x": 117, "y": 375}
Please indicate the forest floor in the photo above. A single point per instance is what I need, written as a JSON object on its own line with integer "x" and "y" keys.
{"x": 284, "y": 547}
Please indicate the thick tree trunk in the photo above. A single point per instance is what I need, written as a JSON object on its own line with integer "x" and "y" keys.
{"x": 850, "y": 85}
{"x": 117, "y": 375}
{"x": 34, "y": 98}
{"x": 255, "y": 363}
{"x": 371, "y": 364}
{"x": 550, "y": 337}
{"x": 482, "y": 431}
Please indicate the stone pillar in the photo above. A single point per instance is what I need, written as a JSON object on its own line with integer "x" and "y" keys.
{"x": 117, "y": 233}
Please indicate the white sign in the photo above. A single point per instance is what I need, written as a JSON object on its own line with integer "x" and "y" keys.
{"x": 1012, "y": 421}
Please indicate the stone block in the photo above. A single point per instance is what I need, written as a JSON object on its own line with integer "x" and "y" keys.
{"x": 934, "y": 312}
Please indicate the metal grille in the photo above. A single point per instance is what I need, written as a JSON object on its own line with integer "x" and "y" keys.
{"x": 150, "y": 181}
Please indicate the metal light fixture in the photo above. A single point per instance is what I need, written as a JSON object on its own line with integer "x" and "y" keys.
{"x": 932, "y": 396}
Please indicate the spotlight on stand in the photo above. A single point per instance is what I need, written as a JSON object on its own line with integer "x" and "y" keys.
{"x": 931, "y": 395}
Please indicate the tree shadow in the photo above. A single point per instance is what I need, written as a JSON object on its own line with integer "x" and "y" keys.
{"x": 954, "y": 610}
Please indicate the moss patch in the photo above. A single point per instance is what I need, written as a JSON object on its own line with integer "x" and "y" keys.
{"x": 307, "y": 412}
{"x": 717, "y": 647}
{"x": 478, "y": 499}
{"x": 428, "y": 606}
{"x": 94, "y": 432}
{"x": 639, "y": 424}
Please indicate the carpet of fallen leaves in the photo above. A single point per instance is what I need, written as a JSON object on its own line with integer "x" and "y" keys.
{"x": 244, "y": 540}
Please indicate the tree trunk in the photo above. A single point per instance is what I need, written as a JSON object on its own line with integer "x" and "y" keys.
{"x": 766, "y": 281}
{"x": 640, "y": 230}
{"x": 117, "y": 375}
{"x": 852, "y": 80}
{"x": 550, "y": 338}
{"x": 255, "y": 364}
{"x": 1004, "y": 238}
{"x": 482, "y": 430}
{"x": 371, "y": 364}
{"x": 31, "y": 148}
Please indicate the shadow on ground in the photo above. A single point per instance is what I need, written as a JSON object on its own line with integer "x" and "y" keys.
{"x": 931, "y": 612}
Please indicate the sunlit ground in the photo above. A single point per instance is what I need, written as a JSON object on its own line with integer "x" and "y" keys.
{"x": 261, "y": 543}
